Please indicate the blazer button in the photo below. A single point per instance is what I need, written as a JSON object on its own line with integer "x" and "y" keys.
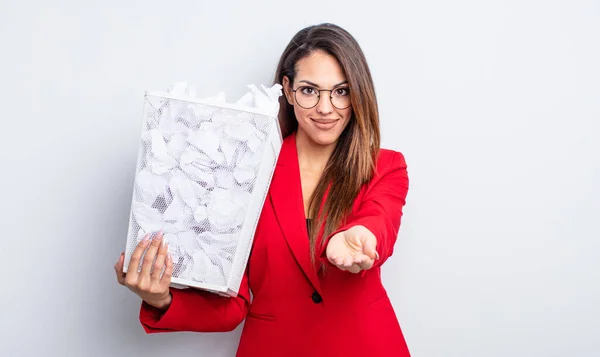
{"x": 316, "y": 298}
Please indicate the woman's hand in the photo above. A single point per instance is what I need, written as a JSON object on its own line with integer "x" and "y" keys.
{"x": 353, "y": 249}
{"x": 148, "y": 283}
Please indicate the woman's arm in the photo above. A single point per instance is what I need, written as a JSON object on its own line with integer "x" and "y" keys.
{"x": 381, "y": 208}
{"x": 197, "y": 310}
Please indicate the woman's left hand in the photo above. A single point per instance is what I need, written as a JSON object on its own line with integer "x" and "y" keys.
{"x": 353, "y": 250}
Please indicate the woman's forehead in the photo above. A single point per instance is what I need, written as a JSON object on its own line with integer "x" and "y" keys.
{"x": 321, "y": 69}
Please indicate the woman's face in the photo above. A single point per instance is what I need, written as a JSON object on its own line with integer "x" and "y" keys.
{"x": 324, "y": 122}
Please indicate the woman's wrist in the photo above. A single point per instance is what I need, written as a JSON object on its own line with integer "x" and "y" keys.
{"x": 162, "y": 304}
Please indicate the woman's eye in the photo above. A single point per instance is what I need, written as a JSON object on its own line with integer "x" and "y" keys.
{"x": 308, "y": 90}
{"x": 342, "y": 92}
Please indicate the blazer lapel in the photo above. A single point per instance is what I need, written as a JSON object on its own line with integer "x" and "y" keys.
{"x": 286, "y": 197}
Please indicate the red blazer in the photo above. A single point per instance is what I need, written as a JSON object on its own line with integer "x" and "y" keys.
{"x": 294, "y": 310}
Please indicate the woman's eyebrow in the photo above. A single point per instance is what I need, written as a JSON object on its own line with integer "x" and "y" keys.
{"x": 316, "y": 85}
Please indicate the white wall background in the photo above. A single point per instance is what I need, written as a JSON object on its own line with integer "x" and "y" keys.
{"x": 496, "y": 106}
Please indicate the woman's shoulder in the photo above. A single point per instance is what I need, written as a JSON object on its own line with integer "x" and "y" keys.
{"x": 390, "y": 160}
{"x": 390, "y": 174}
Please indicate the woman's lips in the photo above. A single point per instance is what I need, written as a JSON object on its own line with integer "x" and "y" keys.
{"x": 325, "y": 124}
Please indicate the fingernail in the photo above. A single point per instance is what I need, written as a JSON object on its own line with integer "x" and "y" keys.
{"x": 376, "y": 255}
{"x": 146, "y": 237}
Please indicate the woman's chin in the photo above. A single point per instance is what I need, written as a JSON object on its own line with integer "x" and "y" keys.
{"x": 324, "y": 139}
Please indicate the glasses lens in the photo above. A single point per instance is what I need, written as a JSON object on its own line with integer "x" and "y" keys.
{"x": 307, "y": 97}
{"x": 340, "y": 98}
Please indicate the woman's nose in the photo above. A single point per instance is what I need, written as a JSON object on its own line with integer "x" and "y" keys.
{"x": 324, "y": 106}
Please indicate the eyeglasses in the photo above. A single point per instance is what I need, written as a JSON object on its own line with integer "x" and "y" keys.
{"x": 308, "y": 97}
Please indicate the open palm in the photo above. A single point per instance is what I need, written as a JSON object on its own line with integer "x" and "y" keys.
{"x": 353, "y": 249}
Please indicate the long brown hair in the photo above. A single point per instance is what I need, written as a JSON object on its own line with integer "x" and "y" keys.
{"x": 353, "y": 160}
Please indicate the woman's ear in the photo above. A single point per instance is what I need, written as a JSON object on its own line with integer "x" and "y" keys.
{"x": 287, "y": 90}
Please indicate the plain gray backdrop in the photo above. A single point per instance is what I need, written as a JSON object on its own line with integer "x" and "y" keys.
{"x": 496, "y": 106}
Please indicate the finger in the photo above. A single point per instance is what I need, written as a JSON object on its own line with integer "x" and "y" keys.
{"x": 132, "y": 271}
{"x": 366, "y": 264}
{"x": 336, "y": 259}
{"x": 360, "y": 258}
{"x": 334, "y": 256}
{"x": 363, "y": 261}
{"x": 339, "y": 260}
{"x": 330, "y": 256}
{"x": 149, "y": 257}
{"x": 165, "y": 281}
{"x": 355, "y": 268}
{"x": 342, "y": 267}
{"x": 119, "y": 269}
{"x": 369, "y": 246}
{"x": 348, "y": 260}
{"x": 159, "y": 264}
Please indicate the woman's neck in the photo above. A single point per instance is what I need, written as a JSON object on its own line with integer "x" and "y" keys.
{"x": 311, "y": 155}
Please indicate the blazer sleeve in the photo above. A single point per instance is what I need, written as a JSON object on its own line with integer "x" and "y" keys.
{"x": 381, "y": 208}
{"x": 198, "y": 311}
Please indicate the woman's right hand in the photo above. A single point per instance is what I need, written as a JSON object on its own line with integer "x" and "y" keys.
{"x": 148, "y": 283}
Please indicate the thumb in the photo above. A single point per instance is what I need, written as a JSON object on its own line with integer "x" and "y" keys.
{"x": 119, "y": 269}
{"x": 369, "y": 247}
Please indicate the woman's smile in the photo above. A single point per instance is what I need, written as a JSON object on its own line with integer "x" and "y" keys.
{"x": 325, "y": 124}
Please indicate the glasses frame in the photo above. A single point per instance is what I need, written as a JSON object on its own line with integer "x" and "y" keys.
{"x": 319, "y": 96}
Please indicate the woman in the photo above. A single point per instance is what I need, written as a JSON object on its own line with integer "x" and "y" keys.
{"x": 316, "y": 292}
